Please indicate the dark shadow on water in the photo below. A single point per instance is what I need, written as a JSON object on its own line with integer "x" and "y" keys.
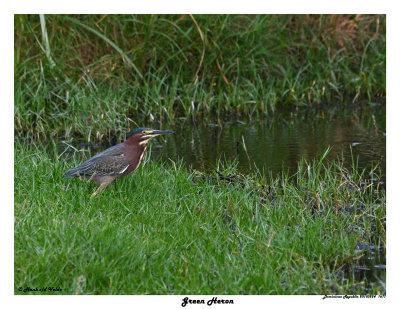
{"x": 274, "y": 145}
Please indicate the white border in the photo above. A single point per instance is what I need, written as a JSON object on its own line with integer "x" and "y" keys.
{"x": 205, "y": 6}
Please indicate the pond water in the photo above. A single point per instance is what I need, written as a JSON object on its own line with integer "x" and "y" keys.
{"x": 277, "y": 144}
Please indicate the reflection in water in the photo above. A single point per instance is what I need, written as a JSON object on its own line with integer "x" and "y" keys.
{"x": 274, "y": 145}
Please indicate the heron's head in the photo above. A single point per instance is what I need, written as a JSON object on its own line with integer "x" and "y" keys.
{"x": 143, "y": 135}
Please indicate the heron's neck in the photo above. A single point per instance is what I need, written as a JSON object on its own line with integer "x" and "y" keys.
{"x": 135, "y": 147}
{"x": 137, "y": 140}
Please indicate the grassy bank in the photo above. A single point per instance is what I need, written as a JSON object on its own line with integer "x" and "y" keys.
{"x": 165, "y": 230}
{"x": 92, "y": 75}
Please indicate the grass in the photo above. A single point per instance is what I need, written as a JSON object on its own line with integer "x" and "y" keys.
{"x": 97, "y": 75}
{"x": 167, "y": 230}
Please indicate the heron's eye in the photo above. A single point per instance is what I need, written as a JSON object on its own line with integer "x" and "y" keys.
{"x": 146, "y": 131}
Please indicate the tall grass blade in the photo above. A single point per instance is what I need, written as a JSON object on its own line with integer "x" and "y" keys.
{"x": 45, "y": 39}
{"x": 111, "y": 43}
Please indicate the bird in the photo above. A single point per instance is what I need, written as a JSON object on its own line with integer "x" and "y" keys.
{"x": 117, "y": 161}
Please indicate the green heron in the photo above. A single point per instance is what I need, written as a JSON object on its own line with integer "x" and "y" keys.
{"x": 116, "y": 161}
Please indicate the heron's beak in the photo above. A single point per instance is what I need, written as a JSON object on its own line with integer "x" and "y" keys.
{"x": 159, "y": 132}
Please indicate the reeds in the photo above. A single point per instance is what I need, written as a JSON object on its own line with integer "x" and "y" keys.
{"x": 102, "y": 71}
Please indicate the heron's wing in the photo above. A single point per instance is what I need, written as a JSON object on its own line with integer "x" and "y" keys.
{"x": 104, "y": 166}
{"x": 110, "y": 162}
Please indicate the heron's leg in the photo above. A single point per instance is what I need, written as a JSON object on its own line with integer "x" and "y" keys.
{"x": 99, "y": 189}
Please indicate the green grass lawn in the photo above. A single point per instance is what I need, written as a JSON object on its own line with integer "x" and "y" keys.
{"x": 168, "y": 230}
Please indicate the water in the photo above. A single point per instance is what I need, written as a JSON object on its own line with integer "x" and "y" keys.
{"x": 274, "y": 145}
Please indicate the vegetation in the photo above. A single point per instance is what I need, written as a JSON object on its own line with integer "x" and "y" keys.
{"x": 96, "y": 75}
{"x": 167, "y": 230}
